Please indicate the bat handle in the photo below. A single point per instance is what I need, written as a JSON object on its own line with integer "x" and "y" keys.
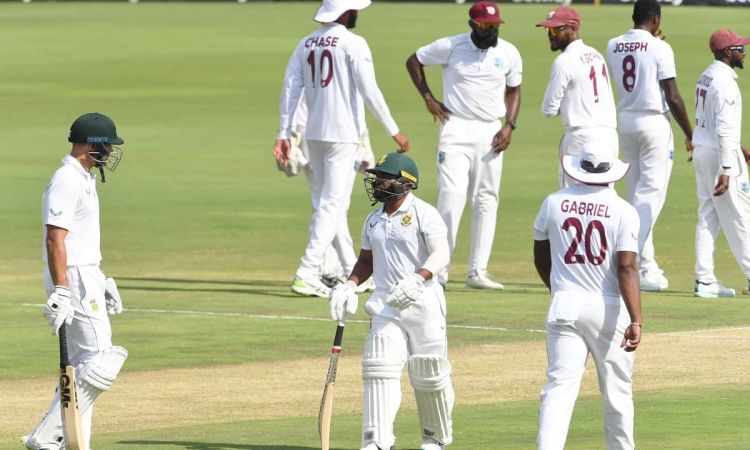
{"x": 64, "y": 361}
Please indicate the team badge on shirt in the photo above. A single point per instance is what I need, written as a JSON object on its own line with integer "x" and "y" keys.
{"x": 94, "y": 305}
{"x": 498, "y": 63}
{"x": 745, "y": 187}
{"x": 406, "y": 220}
{"x": 55, "y": 214}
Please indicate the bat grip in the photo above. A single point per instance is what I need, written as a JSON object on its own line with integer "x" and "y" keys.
{"x": 339, "y": 335}
{"x": 64, "y": 361}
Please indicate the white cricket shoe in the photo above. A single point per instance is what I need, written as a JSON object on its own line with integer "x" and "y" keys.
{"x": 429, "y": 444}
{"x": 653, "y": 282}
{"x": 481, "y": 280}
{"x": 373, "y": 446}
{"x": 312, "y": 287}
{"x": 712, "y": 290}
{"x": 368, "y": 285}
{"x": 33, "y": 444}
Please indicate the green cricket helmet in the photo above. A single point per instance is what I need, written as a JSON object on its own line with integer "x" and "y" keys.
{"x": 398, "y": 165}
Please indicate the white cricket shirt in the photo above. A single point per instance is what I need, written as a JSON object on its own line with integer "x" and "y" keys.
{"x": 474, "y": 80}
{"x": 71, "y": 202}
{"x": 301, "y": 114}
{"x": 638, "y": 62}
{"x": 399, "y": 246}
{"x": 718, "y": 112}
{"x": 586, "y": 227}
{"x": 579, "y": 89}
{"x": 332, "y": 65}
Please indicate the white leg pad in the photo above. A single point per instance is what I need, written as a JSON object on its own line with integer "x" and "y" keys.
{"x": 48, "y": 433}
{"x": 382, "y": 365}
{"x": 430, "y": 376}
{"x": 97, "y": 375}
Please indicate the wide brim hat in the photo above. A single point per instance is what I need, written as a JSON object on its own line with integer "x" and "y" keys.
{"x": 331, "y": 10}
{"x": 597, "y": 163}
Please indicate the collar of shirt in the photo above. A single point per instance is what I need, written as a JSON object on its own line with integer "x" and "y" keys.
{"x": 574, "y": 45}
{"x": 69, "y": 160}
{"x": 640, "y": 31}
{"x": 474, "y": 47}
{"x": 722, "y": 66}
{"x": 405, "y": 206}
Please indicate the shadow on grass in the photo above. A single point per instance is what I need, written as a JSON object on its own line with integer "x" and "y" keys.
{"x": 217, "y": 445}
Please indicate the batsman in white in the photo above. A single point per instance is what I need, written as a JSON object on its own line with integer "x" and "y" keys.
{"x": 80, "y": 295}
{"x": 334, "y": 67}
{"x": 578, "y": 88}
{"x": 481, "y": 85}
{"x": 720, "y": 164}
{"x": 404, "y": 244}
{"x": 585, "y": 247}
{"x": 643, "y": 70}
{"x": 339, "y": 258}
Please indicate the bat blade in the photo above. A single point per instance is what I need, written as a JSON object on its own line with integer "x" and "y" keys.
{"x": 326, "y": 402}
{"x": 71, "y": 416}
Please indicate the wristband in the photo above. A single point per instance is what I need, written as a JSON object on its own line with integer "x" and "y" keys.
{"x": 512, "y": 124}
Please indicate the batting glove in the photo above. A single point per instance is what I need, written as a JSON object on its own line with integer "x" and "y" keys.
{"x": 343, "y": 300}
{"x": 407, "y": 291}
{"x": 112, "y": 297}
{"x": 58, "y": 309}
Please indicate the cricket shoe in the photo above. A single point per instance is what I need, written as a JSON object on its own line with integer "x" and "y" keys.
{"x": 368, "y": 285}
{"x": 480, "y": 280}
{"x": 312, "y": 287}
{"x": 429, "y": 444}
{"x": 373, "y": 446}
{"x": 32, "y": 444}
{"x": 712, "y": 290}
{"x": 653, "y": 282}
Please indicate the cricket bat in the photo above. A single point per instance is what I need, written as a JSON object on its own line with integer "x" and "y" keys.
{"x": 71, "y": 416}
{"x": 326, "y": 403}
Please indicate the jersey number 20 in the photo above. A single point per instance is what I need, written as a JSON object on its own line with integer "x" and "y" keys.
{"x": 325, "y": 67}
{"x": 572, "y": 256}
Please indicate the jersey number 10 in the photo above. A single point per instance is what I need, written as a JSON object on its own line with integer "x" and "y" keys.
{"x": 324, "y": 66}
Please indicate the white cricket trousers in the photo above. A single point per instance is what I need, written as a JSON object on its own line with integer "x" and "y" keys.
{"x": 647, "y": 144}
{"x": 729, "y": 212}
{"x": 342, "y": 241}
{"x": 331, "y": 166}
{"x": 467, "y": 165}
{"x": 599, "y": 330}
{"x": 572, "y": 142}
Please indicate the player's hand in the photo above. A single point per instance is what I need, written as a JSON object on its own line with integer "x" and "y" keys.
{"x": 438, "y": 110}
{"x": 281, "y": 151}
{"x": 632, "y": 337}
{"x": 407, "y": 291}
{"x": 58, "y": 309}
{"x": 501, "y": 141}
{"x": 689, "y": 145}
{"x": 343, "y": 300}
{"x": 722, "y": 185}
{"x": 112, "y": 297}
{"x": 402, "y": 141}
{"x": 659, "y": 34}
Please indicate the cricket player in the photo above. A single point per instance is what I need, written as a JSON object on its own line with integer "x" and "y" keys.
{"x": 643, "y": 69}
{"x": 80, "y": 295}
{"x": 334, "y": 67}
{"x": 720, "y": 164}
{"x": 579, "y": 90}
{"x": 481, "y": 87}
{"x": 404, "y": 244}
{"x": 585, "y": 247}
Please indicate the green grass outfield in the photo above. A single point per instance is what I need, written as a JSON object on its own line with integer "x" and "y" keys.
{"x": 203, "y": 235}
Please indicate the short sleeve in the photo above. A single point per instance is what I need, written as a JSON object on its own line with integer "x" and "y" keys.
{"x": 541, "y": 232}
{"x": 627, "y": 238}
{"x": 432, "y": 225}
{"x": 437, "y": 52}
{"x": 666, "y": 68}
{"x": 62, "y": 200}
{"x": 515, "y": 74}
{"x": 365, "y": 239}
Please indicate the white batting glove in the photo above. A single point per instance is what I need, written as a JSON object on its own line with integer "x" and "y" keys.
{"x": 112, "y": 297}
{"x": 407, "y": 291}
{"x": 58, "y": 309}
{"x": 343, "y": 300}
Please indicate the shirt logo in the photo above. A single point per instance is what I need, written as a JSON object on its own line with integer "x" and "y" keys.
{"x": 441, "y": 157}
{"x": 498, "y": 63}
{"x": 94, "y": 305}
{"x": 745, "y": 187}
{"x": 372, "y": 225}
{"x": 491, "y": 10}
{"x": 406, "y": 220}
{"x": 55, "y": 214}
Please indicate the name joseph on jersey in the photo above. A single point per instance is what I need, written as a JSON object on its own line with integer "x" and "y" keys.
{"x": 585, "y": 208}
{"x": 630, "y": 47}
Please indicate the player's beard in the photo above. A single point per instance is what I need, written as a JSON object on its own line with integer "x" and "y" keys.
{"x": 352, "y": 22}
{"x": 484, "y": 42}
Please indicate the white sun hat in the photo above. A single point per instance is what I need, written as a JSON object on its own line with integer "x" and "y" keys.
{"x": 331, "y": 10}
{"x": 597, "y": 163}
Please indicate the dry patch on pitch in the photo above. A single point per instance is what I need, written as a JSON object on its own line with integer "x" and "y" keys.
{"x": 486, "y": 374}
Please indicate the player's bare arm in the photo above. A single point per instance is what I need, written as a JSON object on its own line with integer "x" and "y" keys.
{"x": 745, "y": 153}
{"x": 416, "y": 71}
{"x": 57, "y": 255}
{"x": 629, "y": 280}
{"x": 363, "y": 268}
{"x": 677, "y": 107}
{"x": 501, "y": 141}
{"x": 281, "y": 151}
{"x": 543, "y": 260}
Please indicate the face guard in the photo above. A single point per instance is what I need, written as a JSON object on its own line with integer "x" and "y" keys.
{"x": 105, "y": 155}
{"x": 382, "y": 189}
